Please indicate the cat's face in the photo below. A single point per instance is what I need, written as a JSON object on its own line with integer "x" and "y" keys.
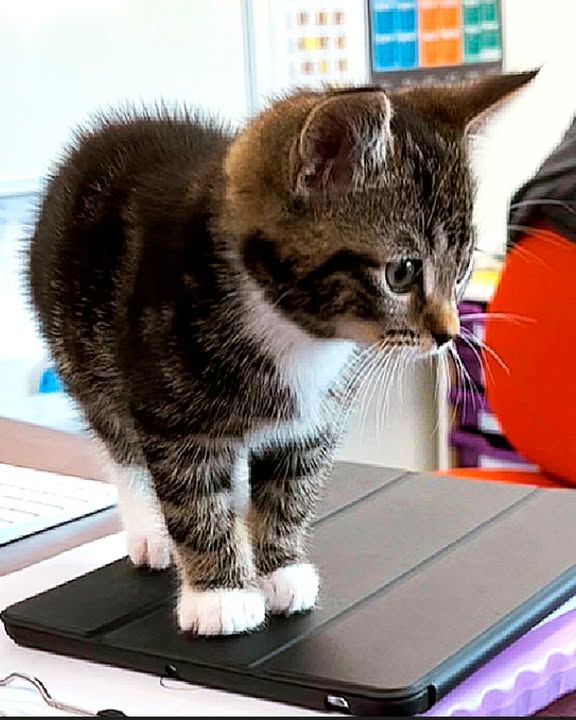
{"x": 354, "y": 210}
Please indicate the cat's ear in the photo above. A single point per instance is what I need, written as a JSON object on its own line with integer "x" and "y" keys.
{"x": 467, "y": 106}
{"x": 343, "y": 143}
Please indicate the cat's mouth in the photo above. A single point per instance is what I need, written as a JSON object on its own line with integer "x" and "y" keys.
{"x": 368, "y": 334}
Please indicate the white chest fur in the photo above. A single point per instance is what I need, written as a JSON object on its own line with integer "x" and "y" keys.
{"x": 307, "y": 366}
{"x": 309, "y": 372}
{"x": 311, "y": 368}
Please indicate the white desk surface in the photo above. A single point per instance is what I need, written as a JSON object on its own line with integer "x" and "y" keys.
{"x": 92, "y": 686}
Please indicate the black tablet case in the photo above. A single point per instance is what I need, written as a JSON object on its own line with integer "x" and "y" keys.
{"x": 425, "y": 578}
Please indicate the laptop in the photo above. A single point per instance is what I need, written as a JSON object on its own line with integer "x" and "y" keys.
{"x": 425, "y": 578}
{"x": 32, "y": 501}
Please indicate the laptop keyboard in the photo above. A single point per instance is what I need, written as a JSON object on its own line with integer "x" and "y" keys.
{"x": 33, "y": 500}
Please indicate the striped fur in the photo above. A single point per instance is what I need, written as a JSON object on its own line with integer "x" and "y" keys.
{"x": 204, "y": 294}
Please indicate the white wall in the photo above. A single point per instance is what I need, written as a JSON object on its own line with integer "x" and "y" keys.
{"x": 535, "y": 31}
{"x": 395, "y": 423}
{"x": 63, "y": 59}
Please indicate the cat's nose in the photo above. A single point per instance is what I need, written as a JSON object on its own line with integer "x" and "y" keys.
{"x": 442, "y": 320}
{"x": 442, "y": 338}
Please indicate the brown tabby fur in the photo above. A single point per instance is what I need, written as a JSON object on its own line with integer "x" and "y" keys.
{"x": 203, "y": 295}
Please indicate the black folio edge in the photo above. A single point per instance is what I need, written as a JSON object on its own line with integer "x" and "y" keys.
{"x": 313, "y": 694}
{"x": 282, "y": 688}
{"x": 501, "y": 635}
{"x": 267, "y": 687}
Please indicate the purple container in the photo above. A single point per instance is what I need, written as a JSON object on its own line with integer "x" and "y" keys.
{"x": 472, "y": 412}
{"x": 525, "y": 677}
{"x": 473, "y": 324}
{"x": 476, "y": 450}
{"x": 468, "y": 350}
{"x": 472, "y": 362}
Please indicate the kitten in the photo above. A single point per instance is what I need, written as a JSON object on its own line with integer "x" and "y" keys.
{"x": 203, "y": 294}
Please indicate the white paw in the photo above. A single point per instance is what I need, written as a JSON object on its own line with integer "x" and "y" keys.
{"x": 291, "y": 589}
{"x": 149, "y": 550}
{"x": 220, "y": 612}
{"x": 147, "y": 537}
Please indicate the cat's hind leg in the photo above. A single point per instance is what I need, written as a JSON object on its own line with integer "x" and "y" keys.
{"x": 147, "y": 539}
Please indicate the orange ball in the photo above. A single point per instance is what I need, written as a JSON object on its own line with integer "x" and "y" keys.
{"x": 532, "y": 386}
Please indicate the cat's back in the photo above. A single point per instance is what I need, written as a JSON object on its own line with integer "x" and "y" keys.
{"x": 125, "y": 163}
{"x": 118, "y": 148}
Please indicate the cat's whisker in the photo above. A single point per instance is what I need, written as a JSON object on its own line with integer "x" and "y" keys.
{"x": 526, "y": 254}
{"x": 379, "y": 393}
{"x": 397, "y": 376}
{"x": 402, "y": 368}
{"x": 512, "y": 317}
{"x": 544, "y": 201}
{"x": 355, "y": 366}
{"x": 451, "y": 363}
{"x": 434, "y": 366}
{"x": 470, "y": 395}
{"x": 439, "y": 365}
{"x": 471, "y": 388}
{"x": 391, "y": 379}
{"x": 539, "y": 232}
{"x": 467, "y": 382}
{"x": 380, "y": 376}
{"x": 484, "y": 346}
{"x": 364, "y": 399}
{"x": 446, "y": 370}
{"x": 383, "y": 392}
{"x": 347, "y": 405}
{"x": 477, "y": 355}
{"x": 358, "y": 374}
{"x": 388, "y": 387}
{"x": 398, "y": 370}
{"x": 461, "y": 397}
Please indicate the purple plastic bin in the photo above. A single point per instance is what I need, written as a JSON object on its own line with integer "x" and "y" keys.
{"x": 471, "y": 360}
{"x": 476, "y": 450}
{"x": 472, "y": 412}
{"x": 473, "y": 324}
{"x": 531, "y": 673}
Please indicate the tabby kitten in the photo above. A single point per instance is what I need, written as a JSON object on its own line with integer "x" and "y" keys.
{"x": 202, "y": 294}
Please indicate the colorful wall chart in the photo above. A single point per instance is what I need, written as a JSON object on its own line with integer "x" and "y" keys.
{"x": 324, "y": 41}
{"x": 408, "y": 35}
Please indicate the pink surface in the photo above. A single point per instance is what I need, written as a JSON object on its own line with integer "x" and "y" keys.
{"x": 530, "y": 674}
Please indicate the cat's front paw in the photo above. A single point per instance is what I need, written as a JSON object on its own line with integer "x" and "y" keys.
{"x": 149, "y": 549}
{"x": 291, "y": 589}
{"x": 220, "y": 612}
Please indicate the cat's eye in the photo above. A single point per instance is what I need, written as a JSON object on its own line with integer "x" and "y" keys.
{"x": 401, "y": 275}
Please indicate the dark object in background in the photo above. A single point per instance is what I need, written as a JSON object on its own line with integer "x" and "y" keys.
{"x": 549, "y": 198}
